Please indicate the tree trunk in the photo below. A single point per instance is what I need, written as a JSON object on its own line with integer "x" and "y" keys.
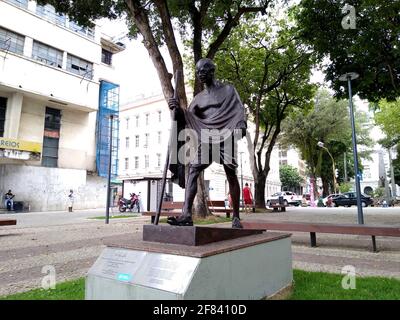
{"x": 260, "y": 190}
{"x": 200, "y": 208}
{"x": 325, "y": 187}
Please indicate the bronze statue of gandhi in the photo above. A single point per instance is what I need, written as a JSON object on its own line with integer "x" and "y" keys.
{"x": 217, "y": 116}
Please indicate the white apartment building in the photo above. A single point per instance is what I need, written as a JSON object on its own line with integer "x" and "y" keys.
{"x": 52, "y": 75}
{"x": 375, "y": 171}
{"x": 290, "y": 156}
{"x": 144, "y": 132}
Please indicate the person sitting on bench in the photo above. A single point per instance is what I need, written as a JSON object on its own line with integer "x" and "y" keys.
{"x": 9, "y": 202}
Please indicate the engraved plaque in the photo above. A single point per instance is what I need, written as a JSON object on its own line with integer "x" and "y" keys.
{"x": 166, "y": 272}
{"x": 118, "y": 264}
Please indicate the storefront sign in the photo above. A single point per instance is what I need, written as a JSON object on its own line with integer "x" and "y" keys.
{"x": 13, "y": 144}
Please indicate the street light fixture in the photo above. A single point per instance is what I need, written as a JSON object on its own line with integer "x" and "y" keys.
{"x": 348, "y": 77}
{"x": 111, "y": 117}
{"x": 321, "y": 145}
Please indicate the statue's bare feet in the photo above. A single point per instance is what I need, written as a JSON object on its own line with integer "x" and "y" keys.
{"x": 236, "y": 223}
{"x": 180, "y": 221}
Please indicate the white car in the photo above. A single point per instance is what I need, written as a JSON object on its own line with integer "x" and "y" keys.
{"x": 288, "y": 198}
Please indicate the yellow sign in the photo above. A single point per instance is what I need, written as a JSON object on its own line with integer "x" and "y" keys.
{"x": 20, "y": 145}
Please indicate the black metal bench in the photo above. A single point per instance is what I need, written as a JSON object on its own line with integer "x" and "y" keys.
{"x": 314, "y": 228}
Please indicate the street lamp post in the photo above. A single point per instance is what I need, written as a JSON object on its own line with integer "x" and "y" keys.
{"x": 321, "y": 145}
{"x": 111, "y": 117}
{"x": 348, "y": 77}
{"x": 241, "y": 181}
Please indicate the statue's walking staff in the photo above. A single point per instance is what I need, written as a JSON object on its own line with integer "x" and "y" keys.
{"x": 167, "y": 161}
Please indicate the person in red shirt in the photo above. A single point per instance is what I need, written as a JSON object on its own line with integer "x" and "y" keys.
{"x": 247, "y": 198}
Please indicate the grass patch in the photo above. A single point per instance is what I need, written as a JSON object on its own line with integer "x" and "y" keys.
{"x": 204, "y": 221}
{"x": 328, "y": 286}
{"x": 70, "y": 290}
{"x": 308, "y": 286}
{"x": 116, "y": 217}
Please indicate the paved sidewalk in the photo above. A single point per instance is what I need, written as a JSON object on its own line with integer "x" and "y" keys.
{"x": 71, "y": 243}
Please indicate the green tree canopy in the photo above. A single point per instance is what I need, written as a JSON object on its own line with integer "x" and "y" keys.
{"x": 328, "y": 122}
{"x": 290, "y": 177}
{"x": 388, "y": 118}
{"x": 371, "y": 48}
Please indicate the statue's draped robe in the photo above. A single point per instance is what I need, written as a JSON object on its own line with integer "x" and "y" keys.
{"x": 218, "y": 109}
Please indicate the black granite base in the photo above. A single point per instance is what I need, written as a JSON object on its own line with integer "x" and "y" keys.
{"x": 192, "y": 235}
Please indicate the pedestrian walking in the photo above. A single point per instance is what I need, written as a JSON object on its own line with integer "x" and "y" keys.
{"x": 248, "y": 198}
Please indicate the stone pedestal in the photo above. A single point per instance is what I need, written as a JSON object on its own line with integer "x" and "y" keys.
{"x": 249, "y": 267}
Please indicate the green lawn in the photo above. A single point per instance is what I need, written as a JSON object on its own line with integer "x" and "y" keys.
{"x": 70, "y": 290}
{"x": 308, "y": 286}
{"x": 328, "y": 286}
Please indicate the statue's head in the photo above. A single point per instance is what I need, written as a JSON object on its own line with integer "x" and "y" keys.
{"x": 205, "y": 69}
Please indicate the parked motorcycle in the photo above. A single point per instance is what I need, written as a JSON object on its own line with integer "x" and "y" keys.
{"x": 131, "y": 204}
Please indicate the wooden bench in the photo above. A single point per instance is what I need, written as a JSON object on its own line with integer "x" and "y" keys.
{"x": 8, "y": 222}
{"x": 314, "y": 228}
{"x": 174, "y": 209}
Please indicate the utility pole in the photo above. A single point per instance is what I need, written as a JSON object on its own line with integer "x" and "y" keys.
{"x": 394, "y": 193}
{"x": 348, "y": 77}
{"x": 111, "y": 117}
{"x": 241, "y": 181}
{"x": 345, "y": 167}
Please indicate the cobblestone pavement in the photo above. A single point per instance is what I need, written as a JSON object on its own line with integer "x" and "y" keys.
{"x": 72, "y": 242}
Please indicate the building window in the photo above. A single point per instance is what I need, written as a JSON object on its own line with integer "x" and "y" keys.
{"x": 137, "y": 121}
{"x": 158, "y": 160}
{"x": 47, "y": 55}
{"x": 159, "y": 137}
{"x": 19, "y": 3}
{"x": 3, "y": 109}
{"x": 136, "y": 141}
{"x": 80, "y": 67}
{"x": 146, "y": 140}
{"x": 126, "y": 163}
{"x": 127, "y": 142}
{"x": 147, "y": 119}
{"x": 159, "y": 116}
{"x": 282, "y": 154}
{"x": 136, "y": 162}
{"x": 146, "y": 161}
{"x": 11, "y": 41}
{"x": 85, "y": 31}
{"x": 106, "y": 57}
{"x": 49, "y": 13}
{"x": 52, "y": 125}
{"x": 282, "y": 162}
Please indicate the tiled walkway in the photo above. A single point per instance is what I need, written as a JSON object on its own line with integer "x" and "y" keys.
{"x": 72, "y": 246}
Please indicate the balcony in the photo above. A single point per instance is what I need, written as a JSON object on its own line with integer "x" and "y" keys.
{"x": 34, "y": 77}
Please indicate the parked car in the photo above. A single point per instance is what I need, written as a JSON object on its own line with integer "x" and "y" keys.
{"x": 350, "y": 199}
{"x": 331, "y": 196}
{"x": 288, "y": 198}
